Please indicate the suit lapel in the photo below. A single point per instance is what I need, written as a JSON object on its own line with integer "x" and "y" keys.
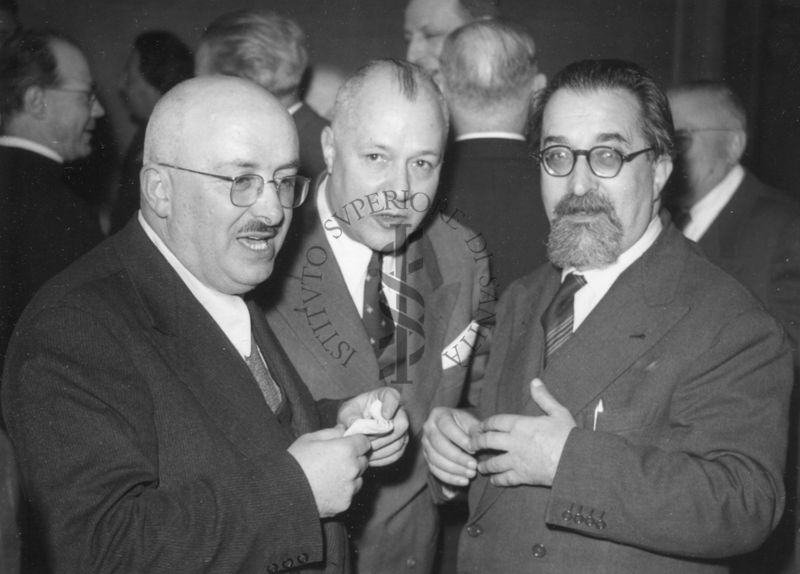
{"x": 720, "y": 240}
{"x": 202, "y": 356}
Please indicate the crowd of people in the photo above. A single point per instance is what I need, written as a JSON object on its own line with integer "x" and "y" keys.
{"x": 556, "y": 314}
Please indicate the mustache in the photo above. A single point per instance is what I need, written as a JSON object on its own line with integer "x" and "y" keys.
{"x": 587, "y": 204}
{"x": 257, "y": 226}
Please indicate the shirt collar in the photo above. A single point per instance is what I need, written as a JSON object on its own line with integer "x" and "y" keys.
{"x": 35, "y": 147}
{"x": 294, "y": 108}
{"x": 704, "y": 212}
{"x": 228, "y": 311}
{"x": 486, "y": 135}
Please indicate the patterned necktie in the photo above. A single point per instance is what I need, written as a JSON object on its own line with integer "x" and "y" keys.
{"x": 377, "y": 316}
{"x": 269, "y": 388}
{"x": 558, "y": 317}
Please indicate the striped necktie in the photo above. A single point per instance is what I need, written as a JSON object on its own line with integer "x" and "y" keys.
{"x": 269, "y": 388}
{"x": 558, "y": 317}
{"x": 377, "y": 316}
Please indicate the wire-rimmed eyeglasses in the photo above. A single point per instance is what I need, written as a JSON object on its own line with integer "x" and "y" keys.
{"x": 604, "y": 161}
{"x": 246, "y": 188}
{"x": 89, "y": 94}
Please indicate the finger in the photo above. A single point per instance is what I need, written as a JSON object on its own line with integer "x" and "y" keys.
{"x": 360, "y": 443}
{"x": 390, "y": 402}
{"x": 382, "y": 441}
{"x": 544, "y": 399}
{"x": 502, "y": 423}
{"x": 509, "y": 478}
{"x": 492, "y": 440}
{"x": 388, "y": 456}
{"x": 327, "y": 434}
{"x": 496, "y": 464}
{"x": 448, "y": 477}
{"x": 453, "y": 462}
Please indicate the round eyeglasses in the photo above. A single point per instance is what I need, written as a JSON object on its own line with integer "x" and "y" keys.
{"x": 90, "y": 95}
{"x": 604, "y": 161}
{"x": 246, "y": 188}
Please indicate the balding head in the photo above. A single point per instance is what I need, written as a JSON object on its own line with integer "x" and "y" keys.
{"x": 224, "y": 127}
{"x": 711, "y": 126}
{"x": 489, "y": 75}
{"x": 384, "y": 148}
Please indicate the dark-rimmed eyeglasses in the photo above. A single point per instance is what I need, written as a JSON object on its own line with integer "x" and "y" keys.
{"x": 604, "y": 161}
{"x": 89, "y": 94}
{"x": 246, "y": 188}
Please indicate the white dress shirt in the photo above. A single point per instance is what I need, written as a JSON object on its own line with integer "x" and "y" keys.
{"x": 599, "y": 281}
{"x": 486, "y": 135}
{"x": 35, "y": 147}
{"x": 228, "y": 311}
{"x": 704, "y": 212}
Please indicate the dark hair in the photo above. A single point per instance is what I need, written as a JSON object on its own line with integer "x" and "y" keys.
{"x": 26, "y": 60}
{"x": 10, "y": 6}
{"x": 594, "y": 75}
{"x": 164, "y": 60}
{"x": 479, "y": 9}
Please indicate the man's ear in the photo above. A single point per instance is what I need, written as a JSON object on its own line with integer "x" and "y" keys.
{"x": 539, "y": 83}
{"x": 328, "y": 148}
{"x": 737, "y": 142}
{"x": 662, "y": 168}
{"x": 34, "y": 103}
{"x": 156, "y": 191}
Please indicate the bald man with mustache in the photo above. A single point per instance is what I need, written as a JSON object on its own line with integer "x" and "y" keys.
{"x": 158, "y": 424}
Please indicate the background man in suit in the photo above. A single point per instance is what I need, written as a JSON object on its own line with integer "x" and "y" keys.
{"x": 659, "y": 441}
{"x": 428, "y": 22}
{"x": 158, "y": 425}
{"x": 270, "y": 50}
{"x": 48, "y": 109}
{"x": 750, "y": 230}
{"x": 379, "y": 287}
{"x": 489, "y": 76}
{"x": 158, "y": 61}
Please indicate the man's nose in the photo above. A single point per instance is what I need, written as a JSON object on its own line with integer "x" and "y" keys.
{"x": 98, "y": 111}
{"x": 268, "y": 206}
{"x": 582, "y": 179}
{"x": 400, "y": 181}
{"x": 416, "y": 49}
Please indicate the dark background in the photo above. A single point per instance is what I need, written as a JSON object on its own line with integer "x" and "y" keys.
{"x": 753, "y": 44}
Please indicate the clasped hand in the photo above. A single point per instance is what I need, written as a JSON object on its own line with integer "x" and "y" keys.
{"x": 517, "y": 449}
{"x": 333, "y": 463}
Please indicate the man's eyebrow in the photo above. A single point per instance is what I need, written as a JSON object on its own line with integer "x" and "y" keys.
{"x": 612, "y": 137}
{"x": 554, "y": 140}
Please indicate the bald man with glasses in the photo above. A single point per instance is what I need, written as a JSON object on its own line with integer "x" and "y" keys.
{"x": 157, "y": 422}
{"x": 635, "y": 407}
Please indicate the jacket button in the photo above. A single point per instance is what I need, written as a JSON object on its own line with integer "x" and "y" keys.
{"x": 411, "y": 563}
{"x": 538, "y": 550}
{"x": 273, "y": 568}
{"x": 303, "y": 558}
{"x": 288, "y": 563}
{"x": 474, "y": 530}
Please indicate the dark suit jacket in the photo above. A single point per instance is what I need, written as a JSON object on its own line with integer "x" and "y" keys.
{"x": 309, "y": 131}
{"x": 143, "y": 441}
{"x": 494, "y": 185}
{"x": 685, "y": 466}
{"x": 393, "y": 519}
{"x": 756, "y": 238}
{"x": 44, "y": 227}
{"x": 126, "y": 202}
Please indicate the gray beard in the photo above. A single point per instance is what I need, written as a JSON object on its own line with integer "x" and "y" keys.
{"x": 591, "y": 243}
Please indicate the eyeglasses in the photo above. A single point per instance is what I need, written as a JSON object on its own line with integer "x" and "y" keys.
{"x": 90, "y": 95}
{"x": 604, "y": 161}
{"x": 245, "y": 189}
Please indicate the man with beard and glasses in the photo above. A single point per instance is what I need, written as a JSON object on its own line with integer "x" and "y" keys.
{"x": 157, "y": 423}
{"x": 635, "y": 407}
{"x": 376, "y": 287}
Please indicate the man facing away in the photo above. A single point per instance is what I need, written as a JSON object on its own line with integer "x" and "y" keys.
{"x": 48, "y": 109}
{"x": 157, "y": 423}
{"x": 635, "y": 407}
{"x": 270, "y": 50}
{"x": 378, "y": 286}
{"x": 489, "y": 75}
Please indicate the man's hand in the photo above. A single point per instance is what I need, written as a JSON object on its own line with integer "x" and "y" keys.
{"x": 531, "y": 446}
{"x": 333, "y": 465}
{"x": 389, "y": 447}
{"x": 446, "y": 445}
